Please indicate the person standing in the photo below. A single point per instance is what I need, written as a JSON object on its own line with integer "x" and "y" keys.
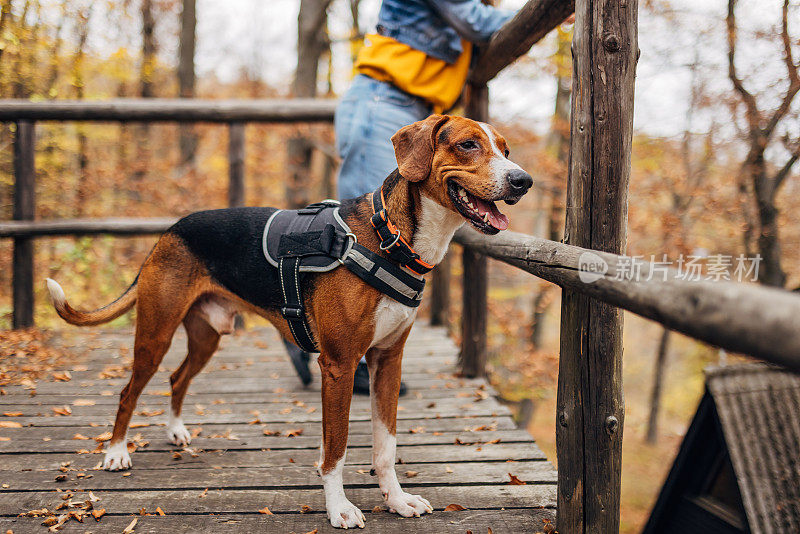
{"x": 415, "y": 63}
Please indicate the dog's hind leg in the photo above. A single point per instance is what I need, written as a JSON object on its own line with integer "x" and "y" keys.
{"x": 203, "y": 342}
{"x": 384, "y": 370}
{"x": 166, "y": 291}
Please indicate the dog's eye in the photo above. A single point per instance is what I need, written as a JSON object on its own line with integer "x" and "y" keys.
{"x": 469, "y": 144}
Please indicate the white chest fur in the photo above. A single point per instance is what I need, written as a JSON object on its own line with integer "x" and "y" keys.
{"x": 435, "y": 230}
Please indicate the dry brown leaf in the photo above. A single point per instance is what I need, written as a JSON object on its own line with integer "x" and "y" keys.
{"x": 268, "y": 432}
{"x": 411, "y": 474}
{"x": 305, "y": 509}
{"x": 265, "y": 511}
{"x": 138, "y": 425}
{"x": 105, "y": 436}
{"x": 448, "y": 470}
{"x": 12, "y": 414}
{"x": 79, "y": 436}
{"x": 454, "y": 508}
{"x": 377, "y": 510}
{"x": 417, "y": 430}
{"x": 130, "y": 527}
{"x": 159, "y": 511}
{"x": 83, "y": 402}
{"x": 62, "y": 410}
{"x": 62, "y": 377}
{"x": 315, "y": 531}
{"x": 293, "y": 432}
{"x": 98, "y": 513}
{"x": 197, "y": 431}
{"x": 515, "y": 481}
{"x": 149, "y": 413}
{"x": 10, "y": 424}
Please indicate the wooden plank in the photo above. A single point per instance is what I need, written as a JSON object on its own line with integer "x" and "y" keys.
{"x": 24, "y": 209}
{"x": 404, "y": 426}
{"x": 472, "y": 358}
{"x": 501, "y": 522}
{"x": 251, "y": 437}
{"x": 590, "y": 403}
{"x": 146, "y": 475}
{"x": 232, "y": 457}
{"x": 236, "y": 146}
{"x": 533, "y": 21}
{"x": 280, "y": 501}
{"x": 171, "y": 109}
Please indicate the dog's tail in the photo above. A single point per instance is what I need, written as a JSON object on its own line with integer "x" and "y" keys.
{"x": 91, "y": 318}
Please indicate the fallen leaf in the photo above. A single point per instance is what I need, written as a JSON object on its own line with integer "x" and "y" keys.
{"x": 12, "y": 414}
{"x": 305, "y": 509}
{"x": 98, "y": 513}
{"x": 454, "y": 508}
{"x": 417, "y": 430}
{"x": 92, "y": 497}
{"x": 10, "y": 424}
{"x": 448, "y": 470}
{"x": 268, "y": 432}
{"x": 197, "y": 431}
{"x": 149, "y": 413}
{"x": 79, "y": 436}
{"x": 159, "y": 511}
{"x": 105, "y": 436}
{"x": 63, "y": 377}
{"x": 83, "y": 402}
{"x": 293, "y": 432}
{"x": 265, "y": 511}
{"x": 312, "y": 531}
{"x": 515, "y": 481}
{"x": 127, "y": 474}
{"x": 62, "y": 410}
{"x": 176, "y": 455}
{"x": 411, "y": 474}
{"x": 202, "y": 495}
{"x": 139, "y": 425}
{"x": 3, "y": 438}
{"x": 377, "y": 510}
{"x": 129, "y": 528}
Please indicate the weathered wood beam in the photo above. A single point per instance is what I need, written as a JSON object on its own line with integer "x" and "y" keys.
{"x": 474, "y": 287}
{"x": 532, "y": 22}
{"x": 112, "y": 226}
{"x": 171, "y": 109}
{"x": 236, "y": 155}
{"x": 738, "y": 317}
{"x": 590, "y": 402}
{"x": 24, "y": 210}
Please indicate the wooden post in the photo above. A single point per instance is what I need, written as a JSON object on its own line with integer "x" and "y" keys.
{"x": 24, "y": 209}
{"x": 440, "y": 293}
{"x": 236, "y": 164}
{"x": 472, "y": 359}
{"x": 590, "y": 403}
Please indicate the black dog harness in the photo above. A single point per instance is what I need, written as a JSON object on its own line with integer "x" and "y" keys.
{"x": 315, "y": 239}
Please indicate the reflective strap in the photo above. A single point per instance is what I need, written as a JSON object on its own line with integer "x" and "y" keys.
{"x": 385, "y": 276}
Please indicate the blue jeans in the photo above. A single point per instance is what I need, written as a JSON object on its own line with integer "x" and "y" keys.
{"x": 367, "y": 117}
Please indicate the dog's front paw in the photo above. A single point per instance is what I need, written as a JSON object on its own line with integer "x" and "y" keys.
{"x": 344, "y": 514}
{"x": 408, "y": 505}
{"x": 117, "y": 458}
{"x": 177, "y": 433}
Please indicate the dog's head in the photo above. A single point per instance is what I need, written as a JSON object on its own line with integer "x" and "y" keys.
{"x": 464, "y": 166}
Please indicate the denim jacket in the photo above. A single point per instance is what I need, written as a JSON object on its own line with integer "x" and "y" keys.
{"x": 436, "y": 27}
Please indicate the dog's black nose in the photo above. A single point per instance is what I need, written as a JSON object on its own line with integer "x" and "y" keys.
{"x": 520, "y": 181}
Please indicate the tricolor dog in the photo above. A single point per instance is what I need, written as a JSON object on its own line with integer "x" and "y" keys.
{"x": 213, "y": 264}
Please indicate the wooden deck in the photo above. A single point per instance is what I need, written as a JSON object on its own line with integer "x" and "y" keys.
{"x": 461, "y": 443}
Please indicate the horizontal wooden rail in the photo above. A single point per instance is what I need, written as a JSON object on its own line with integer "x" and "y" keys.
{"x": 532, "y": 22}
{"x": 739, "y": 317}
{"x": 112, "y": 226}
{"x": 170, "y": 109}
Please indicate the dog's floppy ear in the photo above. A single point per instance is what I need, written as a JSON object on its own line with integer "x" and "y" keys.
{"x": 413, "y": 147}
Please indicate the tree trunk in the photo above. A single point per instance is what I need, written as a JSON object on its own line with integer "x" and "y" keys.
{"x": 658, "y": 382}
{"x": 148, "y": 50}
{"x": 312, "y": 42}
{"x": 186, "y": 77}
{"x": 78, "y": 83}
{"x": 770, "y": 271}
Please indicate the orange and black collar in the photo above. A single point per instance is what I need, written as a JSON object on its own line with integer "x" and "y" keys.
{"x": 392, "y": 242}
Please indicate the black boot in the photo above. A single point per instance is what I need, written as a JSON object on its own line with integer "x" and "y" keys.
{"x": 361, "y": 381}
{"x": 300, "y": 359}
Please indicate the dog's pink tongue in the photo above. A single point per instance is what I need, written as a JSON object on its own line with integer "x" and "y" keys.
{"x": 496, "y": 219}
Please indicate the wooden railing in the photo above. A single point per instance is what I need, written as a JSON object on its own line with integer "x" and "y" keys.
{"x": 235, "y": 113}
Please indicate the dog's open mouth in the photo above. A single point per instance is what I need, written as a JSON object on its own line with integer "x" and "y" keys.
{"x": 482, "y": 213}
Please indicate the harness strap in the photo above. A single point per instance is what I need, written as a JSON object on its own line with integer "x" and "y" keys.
{"x": 293, "y": 310}
{"x": 384, "y": 276}
{"x": 392, "y": 242}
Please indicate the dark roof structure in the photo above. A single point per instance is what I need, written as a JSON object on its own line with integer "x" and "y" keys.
{"x": 738, "y": 469}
